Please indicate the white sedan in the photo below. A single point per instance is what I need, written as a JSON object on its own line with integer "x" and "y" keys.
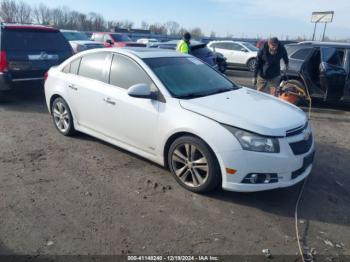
{"x": 238, "y": 54}
{"x": 180, "y": 113}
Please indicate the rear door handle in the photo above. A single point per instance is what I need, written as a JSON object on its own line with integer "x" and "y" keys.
{"x": 109, "y": 101}
{"x": 71, "y": 86}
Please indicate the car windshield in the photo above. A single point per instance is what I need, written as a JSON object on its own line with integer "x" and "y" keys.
{"x": 188, "y": 77}
{"x": 251, "y": 47}
{"x": 75, "y": 36}
{"x": 121, "y": 38}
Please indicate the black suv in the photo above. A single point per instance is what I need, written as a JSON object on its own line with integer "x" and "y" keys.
{"x": 322, "y": 67}
{"x": 28, "y": 51}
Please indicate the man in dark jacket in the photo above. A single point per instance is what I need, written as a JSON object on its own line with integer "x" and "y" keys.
{"x": 267, "y": 73}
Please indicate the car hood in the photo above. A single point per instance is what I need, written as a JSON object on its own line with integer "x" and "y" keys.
{"x": 250, "y": 110}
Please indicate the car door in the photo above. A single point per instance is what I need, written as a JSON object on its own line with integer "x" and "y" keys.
{"x": 347, "y": 69}
{"x": 332, "y": 74}
{"x": 330, "y": 80}
{"x": 223, "y": 49}
{"x": 87, "y": 85}
{"x": 241, "y": 53}
{"x": 133, "y": 120}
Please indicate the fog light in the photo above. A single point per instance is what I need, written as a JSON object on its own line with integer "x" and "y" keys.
{"x": 260, "y": 179}
{"x": 267, "y": 179}
{"x": 253, "y": 178}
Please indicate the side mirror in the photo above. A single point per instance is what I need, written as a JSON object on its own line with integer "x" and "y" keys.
{"x": 244, "y": 50}
{"x": 109, "y": 41}
{"x": 141, "y": 91}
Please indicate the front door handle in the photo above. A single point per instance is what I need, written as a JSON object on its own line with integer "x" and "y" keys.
{"x": 109, "y": 101}
{"x": 71, "y": 86}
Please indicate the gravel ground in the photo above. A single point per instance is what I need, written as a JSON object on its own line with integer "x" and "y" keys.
{"x": 82, "y": 196}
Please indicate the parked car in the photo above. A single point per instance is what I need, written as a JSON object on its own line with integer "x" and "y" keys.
{"x": 80, "y": 41}
{"x": 28, "y": 51}
{"x": 261, "y": 42}
{"x": 199, "y": 50}
{"x": 323, "y": 67}
{"x": 179, "y": 112}
{"x": 238, "y": 54}
{"x": 148, "y": 41}
{"x": 115, "y": 40}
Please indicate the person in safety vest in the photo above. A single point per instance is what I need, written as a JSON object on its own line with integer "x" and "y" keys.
{"x": 184, "y": 45}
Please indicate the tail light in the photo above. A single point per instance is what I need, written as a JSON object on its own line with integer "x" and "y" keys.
{"x": 46, "y": 75}
{"x": 3, "y": 62}
{"x": 122, "y": 44}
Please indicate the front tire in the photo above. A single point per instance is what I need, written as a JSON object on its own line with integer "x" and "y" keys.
{"x": 194, "y": 165}
{"x": 62, "y": 117}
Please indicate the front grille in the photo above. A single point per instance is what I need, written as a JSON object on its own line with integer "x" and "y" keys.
{"x": 302, "y": 147}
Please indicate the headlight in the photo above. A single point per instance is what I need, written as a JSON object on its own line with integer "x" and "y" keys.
{"x": 81, "y": 48}
{"x": 254, "y": 142}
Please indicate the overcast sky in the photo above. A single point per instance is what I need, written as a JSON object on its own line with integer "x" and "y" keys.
{"x": 249, "y": 18}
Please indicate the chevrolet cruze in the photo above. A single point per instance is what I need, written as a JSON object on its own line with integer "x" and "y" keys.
{"x": 177, "y": 111}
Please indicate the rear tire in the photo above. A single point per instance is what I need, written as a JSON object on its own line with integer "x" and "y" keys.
{"x": 251, "y": 64}
{"x": 62, "y": 117}
{"x": 194, "y": 165}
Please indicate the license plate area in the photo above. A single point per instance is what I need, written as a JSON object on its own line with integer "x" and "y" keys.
{"x": 308, "y": 160}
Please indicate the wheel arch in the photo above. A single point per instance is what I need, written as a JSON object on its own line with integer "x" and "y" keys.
{"x": 177, "y": 135}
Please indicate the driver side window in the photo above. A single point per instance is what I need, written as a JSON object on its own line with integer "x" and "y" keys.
{"x": 235, "y": 47}
{"x": 126, "y": 73}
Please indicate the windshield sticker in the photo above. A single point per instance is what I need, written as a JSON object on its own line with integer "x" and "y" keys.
{"x": 195, "y": 61}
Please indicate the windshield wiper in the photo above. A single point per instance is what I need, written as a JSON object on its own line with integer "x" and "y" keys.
{"x": 206, "y": 93}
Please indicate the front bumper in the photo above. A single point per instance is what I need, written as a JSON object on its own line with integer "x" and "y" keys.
{"x": 285, "y": 164}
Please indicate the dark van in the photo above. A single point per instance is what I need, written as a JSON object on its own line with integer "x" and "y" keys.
{"x": 28, "y": 51}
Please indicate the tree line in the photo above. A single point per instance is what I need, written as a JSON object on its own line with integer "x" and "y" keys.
{"x": 13, "y": 11}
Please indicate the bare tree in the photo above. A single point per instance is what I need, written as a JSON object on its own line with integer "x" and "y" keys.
{"x": 97, "y": 22}
{"x": 172, "y": 27}
{"x": 127, "y": 24}
{"x": 196, "y": 32}
{"x": 158, "y": 28}
{"x": 56, "y": 17}
{"x": 24, "y": 13}
{"x": 8, "y": 11}
{"x": 182, "y": 31}
{"x": 42, "y": 14}
{"x": 144, "y": 25}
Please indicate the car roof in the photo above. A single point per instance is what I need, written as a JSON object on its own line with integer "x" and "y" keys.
{"x": 140, "y": 52}
{"x": 27, "y": 26}
{"x": 108, "y": 33}
{"x": 319, "y": 44}
{"x": 144, "y": 52}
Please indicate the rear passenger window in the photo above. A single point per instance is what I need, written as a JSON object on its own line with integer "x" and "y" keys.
{"x": 126, "y": 73}
{"x": 74, "y": 66}
{"x": 92, "y": 66}
{"x": 301, "y": 54}
{"x": 66, "y": 69}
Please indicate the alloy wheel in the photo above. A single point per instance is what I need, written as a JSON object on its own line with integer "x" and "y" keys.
{"x": 61, "y": 117}
{"x": 190, "y": 165}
